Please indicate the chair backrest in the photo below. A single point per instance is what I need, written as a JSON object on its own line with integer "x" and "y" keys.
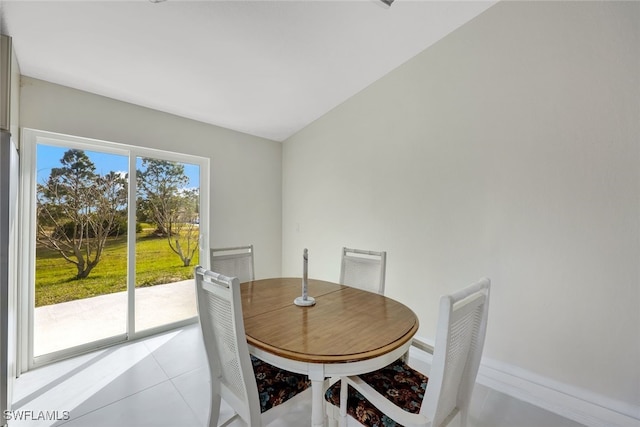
{"x": 462, "y": 325}
{"x": 363, "y": 269}
{"x": 234, "y": 262}
{"x": 220, "y": 314}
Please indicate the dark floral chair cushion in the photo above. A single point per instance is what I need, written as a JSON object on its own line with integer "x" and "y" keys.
{"x": 398, "y": 382}
{"x": 276, "y": 385}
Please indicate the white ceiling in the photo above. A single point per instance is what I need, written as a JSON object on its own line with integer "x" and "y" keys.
{"x": 267, "y": 68}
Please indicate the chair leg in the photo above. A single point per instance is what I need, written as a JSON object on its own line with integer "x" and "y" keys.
{"x": 331, "y": 419}
{"x": 330, "y": 409}
{"x": 214, "y": 412}
{"x": 344, "y": 395}
{"x": 463, "y": 418}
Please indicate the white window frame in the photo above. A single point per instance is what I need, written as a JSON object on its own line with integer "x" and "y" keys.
{"x": 26, "y": 292}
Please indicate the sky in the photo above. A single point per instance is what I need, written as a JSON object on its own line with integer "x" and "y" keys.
{"x": 49, "y": 156}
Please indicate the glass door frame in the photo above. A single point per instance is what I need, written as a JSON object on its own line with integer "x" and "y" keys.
{"x": 26, "y": 293}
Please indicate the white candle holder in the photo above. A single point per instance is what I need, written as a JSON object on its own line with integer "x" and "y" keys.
{"x": 305, "y": 300}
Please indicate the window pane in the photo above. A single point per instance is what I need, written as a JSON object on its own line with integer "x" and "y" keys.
{"x": 168, "y": 231}
{"x": 81, "y": 247}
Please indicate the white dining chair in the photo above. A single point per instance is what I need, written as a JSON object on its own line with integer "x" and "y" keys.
{"x": 363, "y": 269}
{"x": 400, "y": 395}
{"x": 257, "y": 391}
{"x": 233, "y": 262}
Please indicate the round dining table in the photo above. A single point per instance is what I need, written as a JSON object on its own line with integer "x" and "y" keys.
{"x": 347, "y": 331}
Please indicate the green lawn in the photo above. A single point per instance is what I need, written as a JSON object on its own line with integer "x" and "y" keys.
{"x": 156, "y": 264}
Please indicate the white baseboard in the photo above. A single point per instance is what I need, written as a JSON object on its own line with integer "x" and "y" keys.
{"x": 573, "y": 403}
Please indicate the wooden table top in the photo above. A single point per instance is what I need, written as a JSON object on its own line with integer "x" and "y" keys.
{"x": 345, "y": 325}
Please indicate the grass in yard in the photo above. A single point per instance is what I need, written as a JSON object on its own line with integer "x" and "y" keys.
{"x": 156, "y": 264}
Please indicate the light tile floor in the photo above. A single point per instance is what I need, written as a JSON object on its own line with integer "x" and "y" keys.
{"x": 163, "y": 381}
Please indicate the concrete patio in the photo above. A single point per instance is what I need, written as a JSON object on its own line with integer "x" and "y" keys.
{"x": 59, "y": 326}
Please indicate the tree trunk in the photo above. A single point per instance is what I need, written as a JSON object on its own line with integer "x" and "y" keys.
{"x": 85, "y": 268}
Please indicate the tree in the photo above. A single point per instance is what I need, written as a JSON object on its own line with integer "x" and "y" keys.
{"x": 163, "y": 196}
{"x": 77, "y": 210}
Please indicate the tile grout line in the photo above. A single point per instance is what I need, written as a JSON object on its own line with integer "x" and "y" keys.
{"x": 149, "y": 353}
{"x": 193, "y": 410}
{"x": 113, "y": 402}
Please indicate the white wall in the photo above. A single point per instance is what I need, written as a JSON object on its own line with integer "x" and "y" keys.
{"x": 246, "y": 171}
{"x": 509, "y": 149}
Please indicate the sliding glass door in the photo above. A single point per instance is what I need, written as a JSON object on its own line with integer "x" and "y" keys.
{"x": 114, "y": 234}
